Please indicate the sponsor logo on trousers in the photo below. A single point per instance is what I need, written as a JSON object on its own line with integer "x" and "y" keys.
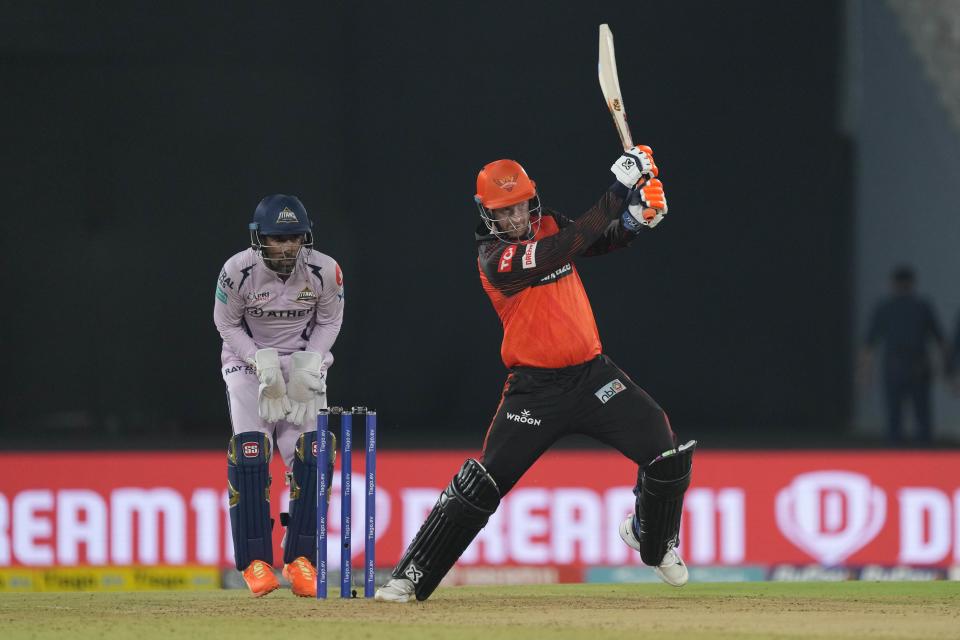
{"x": 524, "y": 417}
{"x": 609, "y": 390}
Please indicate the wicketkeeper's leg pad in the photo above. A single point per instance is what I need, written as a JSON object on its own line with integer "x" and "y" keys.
{"x": 301, "y": 522}
{"x": 458, "y": 516}
{"x": 248, "y": 484}
{"x": 660, "y": 488}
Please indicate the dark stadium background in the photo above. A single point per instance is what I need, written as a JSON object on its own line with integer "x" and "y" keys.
{"x": 138, "y": 138}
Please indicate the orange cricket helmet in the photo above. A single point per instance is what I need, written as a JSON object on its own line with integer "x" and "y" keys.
{"x": 502, "y": 183}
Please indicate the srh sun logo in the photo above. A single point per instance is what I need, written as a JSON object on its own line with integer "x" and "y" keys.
{"x": 506, "y": 183}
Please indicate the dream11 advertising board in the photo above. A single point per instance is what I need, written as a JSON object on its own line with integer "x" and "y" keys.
{"x": 766, "y": 508}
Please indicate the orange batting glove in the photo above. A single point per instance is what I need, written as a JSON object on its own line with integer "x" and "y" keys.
{"x": 646, "y": 206}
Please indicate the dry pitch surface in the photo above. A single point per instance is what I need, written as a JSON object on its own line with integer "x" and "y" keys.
{"x": 596, "y": 612}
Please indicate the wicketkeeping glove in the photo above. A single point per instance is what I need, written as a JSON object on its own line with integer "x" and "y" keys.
{"x": 635, "y": 165}
{"x": 272, "y": 396}
{"x": 646, "y": 206}
{"x": 307, "y": 385}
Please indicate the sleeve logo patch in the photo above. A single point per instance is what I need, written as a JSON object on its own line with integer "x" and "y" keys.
{"x": 221, "y": 295}
{"x": 506, "y": 260}
{"x": 339, "y": 276}
{"x": 530, "y": 256}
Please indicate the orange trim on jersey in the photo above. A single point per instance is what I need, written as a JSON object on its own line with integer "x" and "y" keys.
{"x": 503, "y": 395}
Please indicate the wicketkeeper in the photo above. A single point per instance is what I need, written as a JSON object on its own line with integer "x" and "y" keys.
{"x": 560, "y": 382}
{"x": 278, "y": 308}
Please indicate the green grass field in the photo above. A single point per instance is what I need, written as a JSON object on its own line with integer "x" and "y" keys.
{"x": 595, "y": 612}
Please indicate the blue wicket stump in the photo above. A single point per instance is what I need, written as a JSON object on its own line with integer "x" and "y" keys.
{"x": 346, "y": 496}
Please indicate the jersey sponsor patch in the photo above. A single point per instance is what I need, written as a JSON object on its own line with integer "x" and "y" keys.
{"x": 553, "y": 276}
{"x": 609, "y": 390}
{"x": 221, "y": 295}
{"x": 530, "y": 256}
{"x": 506, "y": 260}
{"x": 339, "y": 276}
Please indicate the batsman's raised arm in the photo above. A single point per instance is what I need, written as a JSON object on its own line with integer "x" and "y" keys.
{"x": 534, "y": 243}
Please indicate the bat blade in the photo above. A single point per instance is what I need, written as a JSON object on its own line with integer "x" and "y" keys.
{"x": 610, "y": 86}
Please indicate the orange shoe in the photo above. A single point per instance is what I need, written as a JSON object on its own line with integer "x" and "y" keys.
{"x": 302, "y": 577}
{"x": 259, "y": 577}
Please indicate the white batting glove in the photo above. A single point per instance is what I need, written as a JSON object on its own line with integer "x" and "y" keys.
{"x": 307, "y": 389}
{"x": 646, "y": 206}
{"x": 635, "y": 165}
{"x": 272, "y": 396}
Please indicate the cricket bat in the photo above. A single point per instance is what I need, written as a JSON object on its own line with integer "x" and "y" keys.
{"x": 610, "y": 86}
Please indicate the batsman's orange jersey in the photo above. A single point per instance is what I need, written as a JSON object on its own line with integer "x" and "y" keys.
{"x": 536, "y": 290}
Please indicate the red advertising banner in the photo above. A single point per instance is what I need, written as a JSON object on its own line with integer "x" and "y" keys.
{"x": 770, "y": 507}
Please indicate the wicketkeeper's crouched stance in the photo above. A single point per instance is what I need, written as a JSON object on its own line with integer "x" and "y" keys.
{"x": 279, "y": 306}
{"x": 558, "y": 374}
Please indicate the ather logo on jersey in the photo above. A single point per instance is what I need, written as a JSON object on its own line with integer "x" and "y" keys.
{"x": 506, "y": 260}
{"x": 257, "y": 312}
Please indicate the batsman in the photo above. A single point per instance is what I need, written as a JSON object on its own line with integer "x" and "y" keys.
{"x": 559, "y": 380}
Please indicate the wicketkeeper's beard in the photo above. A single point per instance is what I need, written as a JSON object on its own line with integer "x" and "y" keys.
{"x": 283, "y": 266}
{"x": 281, "y": 262}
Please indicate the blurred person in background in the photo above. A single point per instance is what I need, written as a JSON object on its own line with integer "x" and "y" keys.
{"x": 278, "y": 308}
{"x": 560, "y": 382}
{"x": 904, "y": 324}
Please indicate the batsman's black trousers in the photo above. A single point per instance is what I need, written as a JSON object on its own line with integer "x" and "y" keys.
{"x": 596, "y": 399}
